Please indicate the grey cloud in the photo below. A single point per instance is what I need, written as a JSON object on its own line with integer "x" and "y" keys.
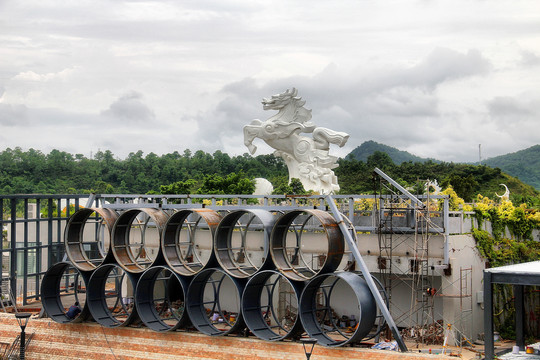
{"x": 445, "y": 64}
{"x": 529, "y": 58}
{"x": 13, "y": 115}
{"x": 504, "y": 107}
{"x": 130, "y": 108}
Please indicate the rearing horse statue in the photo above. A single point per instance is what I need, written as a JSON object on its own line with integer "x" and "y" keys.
{"x": 307, "y": 158}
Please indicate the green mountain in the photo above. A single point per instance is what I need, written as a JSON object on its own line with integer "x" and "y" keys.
{"x": 367, "y": 149}
{"x": 523, "y": 164}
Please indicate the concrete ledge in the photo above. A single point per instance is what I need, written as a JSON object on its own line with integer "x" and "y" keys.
{"x": 54, "y": 341}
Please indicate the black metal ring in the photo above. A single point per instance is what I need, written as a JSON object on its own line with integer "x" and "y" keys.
{"x": 74, "y": 241}
{"x": 138, "y": 260}
{"x": 236, "y": 255}
{"x": 122, "y": 310}
{"x": 206, "y": 311}
{"x": 289, "y": 259}
{"x": 166, "y": 312}
{"x": 51, "y": 292}
{"x": 183, "y": 252}
{"x": 317, "y": 313}
{"x": 265, "y": 319}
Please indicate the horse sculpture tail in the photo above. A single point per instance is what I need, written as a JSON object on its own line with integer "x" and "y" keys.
{"x": 323, "y": 137}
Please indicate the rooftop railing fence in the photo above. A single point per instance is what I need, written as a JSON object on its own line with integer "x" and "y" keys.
{"x": 33, "y": 225}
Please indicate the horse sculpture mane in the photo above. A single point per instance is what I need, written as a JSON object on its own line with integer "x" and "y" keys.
{"x": 307, "y": 158}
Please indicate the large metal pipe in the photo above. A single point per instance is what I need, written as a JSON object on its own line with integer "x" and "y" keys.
{"x": 188, "y": 240}
{"x": 62, "y": 286}
{"x": 136, "y": 238}
{"x": 270, "y": 306}
{"x": 242, "y": 242}
{"x": 299, "y": 260}
{"x": 319, "y": 304}
{"x": 160, "y": 299}
{"x": 89, "y": 249}
{"x": 110, "y": 296}
{"x": 214, "y": 302}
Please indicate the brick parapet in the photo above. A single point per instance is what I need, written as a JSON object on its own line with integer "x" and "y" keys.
{"x": 54, "y": 341}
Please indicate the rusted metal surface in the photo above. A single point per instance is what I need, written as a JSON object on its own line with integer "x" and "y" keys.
{"x": 133, "y": 257}
{"x": 289, "y": 260}
{"x": 240, "y": 234}
{"x": 181, "y": 250}
{"x": 74, "y": 237}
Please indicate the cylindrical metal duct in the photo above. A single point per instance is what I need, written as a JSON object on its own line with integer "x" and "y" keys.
{"x": 214, "y": 302}
{"x": 160, "y": 299}
{"x": 270, "y": 306}
{"x": 325, "y": 316}
{"x": 188, "y": 240}
{"x": 242, "y": 242}
{"x": 89, "y": 248}
{"x": 110, "y": 296}
{"x": 136, "y": 238}
{"x": 305, "y": 243}
{"x": 62, "y": 286}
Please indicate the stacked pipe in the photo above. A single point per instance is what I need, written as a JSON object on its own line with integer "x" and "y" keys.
{"x": 277, "y": 275}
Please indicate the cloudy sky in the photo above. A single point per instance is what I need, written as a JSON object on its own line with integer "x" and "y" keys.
{"x": 435, "y": 78}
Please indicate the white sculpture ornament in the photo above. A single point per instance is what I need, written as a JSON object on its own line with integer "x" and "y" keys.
{"x": 307, "y": 158}
{"x": 506, "y": 195}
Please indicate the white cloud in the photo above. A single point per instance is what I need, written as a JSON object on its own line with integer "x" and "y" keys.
{"x": 435, "y": 78}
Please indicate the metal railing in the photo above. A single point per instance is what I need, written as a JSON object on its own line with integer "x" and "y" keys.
{"x": 33, "y": 225}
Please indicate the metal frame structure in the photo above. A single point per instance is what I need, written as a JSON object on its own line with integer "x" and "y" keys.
{"x": 42, "y": 236}
{"x": 518, "y": 275}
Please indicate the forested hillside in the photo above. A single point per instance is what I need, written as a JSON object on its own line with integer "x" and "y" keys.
{"x": 368, "y": 148}
{"x": 467, "y": 180}
{"x": 24, "y": 172}
{"x": 524, "y": 164}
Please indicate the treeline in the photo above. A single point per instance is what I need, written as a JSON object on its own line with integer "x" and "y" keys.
{"x": 26, "y": 172}
{"x": 59, "y": 172}
{"x": 355, "y": 177}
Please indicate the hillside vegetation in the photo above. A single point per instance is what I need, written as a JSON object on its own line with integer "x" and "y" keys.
{"x": 368, "y": 148}
{"x": 524, "y": 164}
{"x": 25, "y": 172}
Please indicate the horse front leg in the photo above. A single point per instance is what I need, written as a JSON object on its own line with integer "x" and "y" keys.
{"x": 252, "y": 131}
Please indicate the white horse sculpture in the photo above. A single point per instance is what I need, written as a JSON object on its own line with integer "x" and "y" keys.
{"x": 307, "y": 158}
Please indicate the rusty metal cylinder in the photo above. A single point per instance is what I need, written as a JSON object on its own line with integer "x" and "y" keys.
{"x": 87, "y": 237}
{"x": 305, "y": 243}
{"x": 188, "y": 240}
{"x": 241, "y": 242}
{"x": 136, "y": 238}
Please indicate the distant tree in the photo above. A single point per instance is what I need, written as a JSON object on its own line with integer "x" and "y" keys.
{"x": 179, "y": 187}
{"x": 283, "y": 187}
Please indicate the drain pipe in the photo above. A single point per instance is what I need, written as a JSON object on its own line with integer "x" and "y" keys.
{"x": 367, "y": 276}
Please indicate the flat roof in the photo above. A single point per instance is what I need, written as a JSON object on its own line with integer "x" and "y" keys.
{"x": 532, "y": 267}
{"x": 518, "y": 274}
